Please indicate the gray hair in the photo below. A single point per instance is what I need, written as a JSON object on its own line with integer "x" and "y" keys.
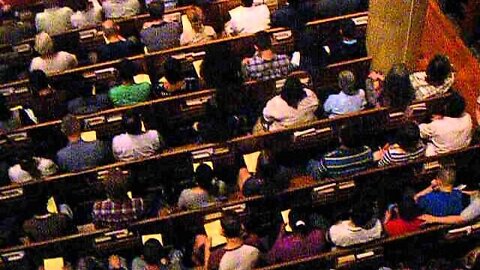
{"x": 346, "y": 82}
{"x": 44, "y": 44}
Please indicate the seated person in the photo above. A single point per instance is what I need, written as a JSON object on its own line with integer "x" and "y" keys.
{"x": 348, "y": 46}
{"x": 78, "y": 154}
{"x": 440, "y": 198}
{"x": 54, "y": 19}
{"x": 12, "y": 30}
{"x": 159, "y": 34}
{"x": 118, "y": 210}
{"x": 129, "y": 92}
{"x": 294, "y": 106}
{"x": 45, "y": 225}
{"x": 349, "y": 100}
{"x": 407, "y": 147}
{"x": 50, "y": 61}
{"x": 199, "y": 33}
{"x": 351, "y": 157}
{"x": 248, "y": 19}
{"x": 11, "y": 119}
{"x": 198, "y": 196}
{"x": 436, "y": 80}
{"x": 48, "y": 103}
{"x": 89, "y": 15}
{"x": 86, "y": 102}
{"x": 265, "y": 64}
{"x": 135, "y": 143}
{"x": 303, "y": 241}
{"x": 155, "y": 257}
{"x": 470, "y": 213}
{"x": 116, "y": 46}
{"x": 115, "y": 9}
{"x": 27, "y": 167}
{"x": 174, "y": 79}
{"x": 402, "y": 218}
{"x": 362, "y": 227}
{"x": 293, "y": 15}
{"x": 450, "y": 131}
{"x": 235, "y": 255}
{"x": 397, "y": 92}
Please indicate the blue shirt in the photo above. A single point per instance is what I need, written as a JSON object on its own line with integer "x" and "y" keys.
{"x": 343, "y": 103}
{"x": 442, "y": 204}
{"x": 82, "y": 155}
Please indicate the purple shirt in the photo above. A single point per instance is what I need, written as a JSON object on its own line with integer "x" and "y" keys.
{"x": 295, "y": 245}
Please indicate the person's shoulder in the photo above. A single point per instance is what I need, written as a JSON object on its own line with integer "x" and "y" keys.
{"x": 152, "y": 134}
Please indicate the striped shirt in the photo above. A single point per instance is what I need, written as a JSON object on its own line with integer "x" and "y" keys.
{"x": 341, "y": 162}
{"x": 396, "y": 155}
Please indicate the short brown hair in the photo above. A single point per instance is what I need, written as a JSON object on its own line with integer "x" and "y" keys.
{"x": 71, "y": 125}
{"x": 116, "y": 185}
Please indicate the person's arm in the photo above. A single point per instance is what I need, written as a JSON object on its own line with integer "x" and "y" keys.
{"x": 429, "y": 219}
{"x": 243, "y": 176}
{"x": 423, "y": 193}
{"x": 426, "y": 131}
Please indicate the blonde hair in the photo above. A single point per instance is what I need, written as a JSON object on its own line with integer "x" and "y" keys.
{"x": 447, "y": 174}
{"x": 346, "y": 82}
{"x": 44, "y": 44}
{"x": 195, "y": 16}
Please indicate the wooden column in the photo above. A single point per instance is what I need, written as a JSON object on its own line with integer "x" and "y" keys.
{"x": 394, "y": 31}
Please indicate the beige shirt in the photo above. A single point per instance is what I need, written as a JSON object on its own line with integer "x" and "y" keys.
{"x": 127, "y": 147}
{"x": 248, "y": 20}
{"x": 59, "y": 62}
{"x": 447, "y": 134}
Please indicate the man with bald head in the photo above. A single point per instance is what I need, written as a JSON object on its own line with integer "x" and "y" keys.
{"x": 116, "y": 46}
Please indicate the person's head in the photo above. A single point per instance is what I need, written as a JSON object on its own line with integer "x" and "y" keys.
{"x": 298, "y": 221}
{"x": 38, "y": 81}
{"x": 347, "y": 29}
{"x": 110, "y": 29}
{"x": 156, "y": 9}
{"x": 126, "y": 70}
{"x": 41, "y": 200}
{"x": 7, "y": 17}
{"x": 116, "y": 185}
{"x": 51, "y": 3}
{"x": 5, "y": 113}
{"x": 247, "y": 3}
{"x": 361, "y": 213}
{"x": 196, "y": 18}
{"x": 71, "y": 127}
{"x": 44, "y": 44}
{"x": 408, "y": 135}
{"x": 346, "y": 82}
{"x": 24, "y": 157}
{"x": 84, "y": 88}
{"x": 438, "y": 69}
{"x": 132, "y": 123}
{"x": 408, "y": 209}
{"x": 231, "y": 225}
{"x": 204, "y": 176}
{"x": 263, "y": 41}
{"x": 446, "y": 176}
{"x": 220, "y": 67}
{"x": 455, "y": 105}
{"x": 153, "y": 252}
{"x": 349, "y": 136}
{"x": 173, "y": 70}
{"x": 398, "y": 91}
{"x": 292, "y": 92}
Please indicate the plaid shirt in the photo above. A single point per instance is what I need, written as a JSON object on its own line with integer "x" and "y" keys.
{"x": 257, "y": 68}
{"x": 113, "y": 214}
{"x": 424, "y": 90}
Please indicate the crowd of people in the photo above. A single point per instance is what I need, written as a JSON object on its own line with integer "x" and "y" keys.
{"x": 260, "y": 237}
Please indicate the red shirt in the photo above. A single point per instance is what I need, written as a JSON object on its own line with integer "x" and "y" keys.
{"x": 400, "y": 226}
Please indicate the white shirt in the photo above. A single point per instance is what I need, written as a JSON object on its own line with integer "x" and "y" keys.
{"x": 91, "y": 17}
{"x": 45, "y": 166}
{"x": 280, "y": 115}
{"x": 120, "y": 8}
{"x": 343, "y": 234}
{"x": 127, "y": 147}
{"x": 447, "y": 134}
{"x": 59, "y": 62}
{"x": 248, "y": 20}
{"x": 342, "y": 103}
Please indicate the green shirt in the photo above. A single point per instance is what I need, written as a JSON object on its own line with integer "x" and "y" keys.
{"x": 124, "y": 95}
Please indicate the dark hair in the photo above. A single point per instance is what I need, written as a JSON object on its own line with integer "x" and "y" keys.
{"x": 40, "y": 201}
{"x": 455, "y": 105}
{"x": 84, "y": 88}
{"x": 292, "y": 92}
{"x": 348, "y": 29}
{"x": 263, "y": 41}
{"x": 132, "y": 123}
{"x": 231, "y": 225}
{"x": 173, "y": 70}
{"x": 247, "y": 3}
{"x": 349, "y": 135}
{"x": 204, "y": 176}
{"x": 398, "y": 91}
{"x": 153, "y": 252}
{"x": 5, "y": 113}
{"x": 156, "y": 9}
{"x": 38, "y": 80}
{"x": 361, "y": 213}
{"x": 24, "y": 157}
{"x": 408, "y": 135}
{"x": 220, "y": 68}
{"x": 438, "y": 69}
{"x": 298, "y": 220}
{"x": 126, "y": 70}
{"x": 408, "y": 209}
{"x": 71, "y": 125}
{"x": 116, "y": 186}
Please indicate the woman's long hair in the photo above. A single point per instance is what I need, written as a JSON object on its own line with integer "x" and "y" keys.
{"x": 293, "y": 92}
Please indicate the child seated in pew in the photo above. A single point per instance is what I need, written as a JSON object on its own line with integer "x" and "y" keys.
{"x": 176, "y": 80}
{"x": 349, "y": 100}
{"x": 86, "y": 102}
{"x": 48, "y": 103}
{"x": 50, "y": 61}
{"x": 402, "y": 218}
{"x": 129, "y": 92}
